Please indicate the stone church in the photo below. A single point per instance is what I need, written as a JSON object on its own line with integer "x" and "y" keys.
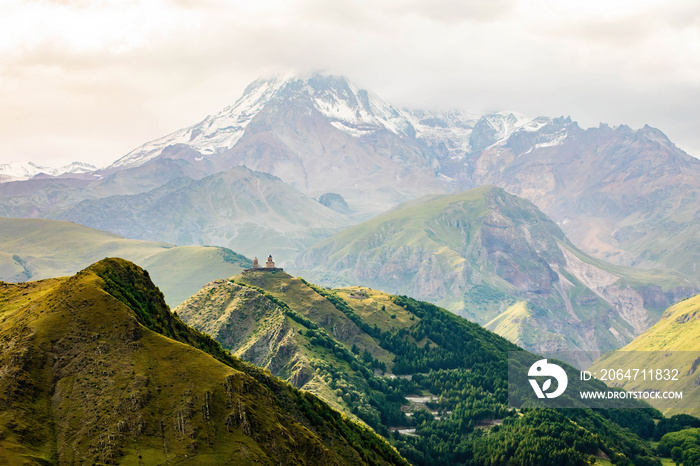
{"x": 269, "y": 265}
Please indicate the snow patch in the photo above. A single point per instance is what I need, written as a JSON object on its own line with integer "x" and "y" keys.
{"x": 556, "y": 141}
{"x": 446, "y": 130}
{"x": 354, "y": 132}
{"x": 551, "y": 140}
{"x": 358, "y": 112}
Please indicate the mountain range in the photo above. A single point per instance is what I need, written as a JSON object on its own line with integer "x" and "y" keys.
{"x": 251, "y": 212}
{"x": 296, "y": 160}
{"x": 432, "y": 382}
{"x": 18, "y": 171}
{"x": 626, "y": 196}
{"x": 544, "y": 235}
{"x": 499, "y": 261}
{"x": 365, "y": 351}
{"x": 97, "y": 369}
{"x": 616, "y": 192}
{"x": 319, "y": 134}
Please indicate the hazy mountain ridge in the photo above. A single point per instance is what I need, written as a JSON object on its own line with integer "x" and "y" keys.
{"x": 618, "y": 193}
{"x": 49, "y": 197}
{"x": 18, "y": 171}
{"x": 251, "y": 212}
{"x": 627, "y": 196}
{"x": 499, "y": 261}
{"x": 35, "y": 249}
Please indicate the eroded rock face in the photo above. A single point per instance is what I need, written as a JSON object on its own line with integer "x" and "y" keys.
{"x": 247, "y": 322}
{"x": 622, "y": 195}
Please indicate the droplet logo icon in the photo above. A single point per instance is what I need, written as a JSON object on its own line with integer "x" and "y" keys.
{"x": 542, "y": 368}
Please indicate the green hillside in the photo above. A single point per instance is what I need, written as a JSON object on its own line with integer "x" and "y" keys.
{"x": 675, "y": 343}
{"x": 431, "y": 382}
{"x": 96, "y": 370}
{"x": 270, "y": 329}
{"x": 34, "y": 249}
{"x": 497, "y": 260}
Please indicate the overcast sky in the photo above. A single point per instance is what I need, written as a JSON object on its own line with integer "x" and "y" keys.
{"x": 90, "y": 80}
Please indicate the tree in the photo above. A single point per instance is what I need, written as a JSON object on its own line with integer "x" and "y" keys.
{"x": 677, "y": 454}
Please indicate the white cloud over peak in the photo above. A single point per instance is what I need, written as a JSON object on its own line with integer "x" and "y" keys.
{"x": 90, "y": 80}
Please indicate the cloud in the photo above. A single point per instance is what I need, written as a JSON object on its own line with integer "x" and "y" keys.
{"x": 456, "y": 11}
{"x": 128, "y": 71}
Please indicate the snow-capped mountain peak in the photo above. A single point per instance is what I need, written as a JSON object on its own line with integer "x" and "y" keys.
{"x": 73, "y": 167}
{"x": 348, "y": 108}
{"x": 216, "y": 132}
{"x": 355, "y": 111}
{"x": 18, "y": 171}
{"x": 15, "y": 171}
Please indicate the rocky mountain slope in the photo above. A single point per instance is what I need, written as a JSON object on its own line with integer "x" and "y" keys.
{"x": 34, "y": 249}
{"x": 430, "y": 381}
{"x": 672, "y": 343}
{"x": 497, "y": 260}
{"x": 97, "y": 370}
{"x": 626, "y": 196}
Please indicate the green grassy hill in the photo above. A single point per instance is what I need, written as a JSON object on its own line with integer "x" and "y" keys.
{"x": 34, "y": 249}
{"x": 433, "y": 383}
{"x": 675, "y": 343}
{"x": 96, "y": 370}
{"x": 497, "y": 260}
{"x": 271, "y": 329}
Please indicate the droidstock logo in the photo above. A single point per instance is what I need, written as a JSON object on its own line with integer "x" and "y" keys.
{"x": 542, "y": 368}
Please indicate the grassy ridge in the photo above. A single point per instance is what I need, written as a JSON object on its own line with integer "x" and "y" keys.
{"x": 675, "y": 343}
{"x": 100, "y": 371}
{"x": 34, "y": 249}
{"x": 290, "y": 330}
